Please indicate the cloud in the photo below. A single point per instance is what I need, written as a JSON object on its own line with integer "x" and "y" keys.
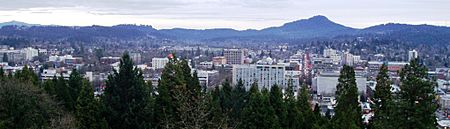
{"x": 241, "y": 14}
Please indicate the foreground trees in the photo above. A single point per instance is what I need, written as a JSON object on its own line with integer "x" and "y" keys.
{"x": 126, "y": 97}
{"x": 178, "y": 101}
{"x": 415, "y": 100}
{"x": 413, "y": 107}
{"x": 348, "y": 114}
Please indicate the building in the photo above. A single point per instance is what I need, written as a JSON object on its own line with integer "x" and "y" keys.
{"x": 204, "y": 77}
{"x": 219, "y": 60}
{"x": 412, "y": 55}
{"x": 265, "y": 75}
{"x": 30, "y": 53}
{"x": 328, "y": 53}
{"x": 325, "y": 83}
{"x": 234, "y": 56}
{"x": 109, "y": 60}
{"x": 206, "y": 65}
{"x": 12, "y": 55}
{"x": 348, "y": 59}
{"x": 159, "y": 63}
{"x": 48, "y": 74}
{"x": 136, "y": 57}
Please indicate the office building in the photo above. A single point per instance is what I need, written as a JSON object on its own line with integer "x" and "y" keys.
{"x": 136, "y": 57}
{"x": 325, "y": 83}
{"x": 265, "y": 75}
{"x": 412, "y": 55}
{"x": 234, "y": 56}
{"x": 159, "y": 63}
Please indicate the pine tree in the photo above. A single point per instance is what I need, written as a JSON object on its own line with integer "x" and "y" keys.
{"x": 383, "y": 101}
{"x": 415, "y": 105}
{"x": 126, "y": 96}
{"x": 2, "y": 73}
{"x": 250, "y": 112}
{"x": 347, "y": 111}
{"x": 75, "y": 84}
{"x": 225, "y": 97}
{"x": 165, "y": 105}
{"x": 294, "y": 116}
{"x": 27, "y": 74}
{"x": 5, "y": 57}
{"x": 216, "y": 119}
{"x": 63, "y": 93}
{"x": 277, "y": 103}
{"x": 239, "y": 97}
{"x": 305, "y": 108}
{"x": 88, "y": 110}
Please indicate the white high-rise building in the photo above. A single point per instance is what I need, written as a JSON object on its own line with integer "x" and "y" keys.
{"x": 234, "y": 56}
{"x": 328, "y": 53}
{"x": 325, "y": 84}
{"x": 412, "y": 55}
{"x": 348, "y": 59}
{"x": 136, "y": 57}
{"x": 356, "y": 59}
{"x": 265, "y": 75}
{"x": 30, "y": 53}
{"x": 159, "y": 63}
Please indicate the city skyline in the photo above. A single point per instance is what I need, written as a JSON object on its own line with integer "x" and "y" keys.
{"x": 241, "y": 15}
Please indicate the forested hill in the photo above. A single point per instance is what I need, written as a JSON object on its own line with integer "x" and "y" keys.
{"x": 314, "y": 27}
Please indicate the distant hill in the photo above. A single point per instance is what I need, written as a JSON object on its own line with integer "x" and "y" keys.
{"x": 314, "y": 27}
{"x": 16, "y": 23}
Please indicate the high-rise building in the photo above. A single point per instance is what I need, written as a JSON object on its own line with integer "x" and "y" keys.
{"x": 234, "y": 56}
{"x": 159, "y": 63}
{"x": 265, "y": 75}
{"x": 348, "y": 59}
{"x": 30, "y": 53}
{"x": 325, "y": 84}
{"x": 136, "y": 57}
{"x": 328, "y": 53}
{"x": 412, "y": 55}
{"x": 219, "y": 60}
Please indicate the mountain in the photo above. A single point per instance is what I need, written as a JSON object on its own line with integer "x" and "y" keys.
{"x": 317, "y": 26}
{"x": 311, "y": 28}
{"x": 85, "y": 33}
{"x": 16, "y": 23}
{"x": 423, "y": 34}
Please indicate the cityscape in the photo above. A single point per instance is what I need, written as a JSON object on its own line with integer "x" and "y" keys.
{"x": 310, "y": 73}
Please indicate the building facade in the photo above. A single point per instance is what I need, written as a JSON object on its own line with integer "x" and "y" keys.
{"x": 265, "y": 75}
{"x": 234, "y": 56}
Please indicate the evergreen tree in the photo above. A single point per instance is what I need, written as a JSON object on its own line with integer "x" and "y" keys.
{"x": 5, "y": 57}
{"x": 257, "y": 113}
{"x": 217, "y": 119}
{"x": 239, "y": 97}
{"x": 294, "y": 115}
{"x": 2, "y": 73}
{"x": 24, "y": 105}
{"x": 415, "y": 105}
{"x": 305, "y": 108}
{"x": 75, "y": 84}
{"x": 347, "y": 111}
{"x": 383, "y": 101}
{"x": 126, "y": 96}
{"x": 225, "y": 97}
{"x": 88, "y": 110}
{"x": 63, "y": 93}
{"x": 277, "y": 103}
{"x": 27, "y": 74}
{"x": 165, "y": 105}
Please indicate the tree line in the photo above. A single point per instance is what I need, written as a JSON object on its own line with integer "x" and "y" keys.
{"x": 179, "y": 101}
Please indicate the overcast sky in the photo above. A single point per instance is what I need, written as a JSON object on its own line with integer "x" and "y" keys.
{"x": 237, "y": 14}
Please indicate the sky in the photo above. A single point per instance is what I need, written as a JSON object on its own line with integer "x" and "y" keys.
{"x": 237, "y": 14}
